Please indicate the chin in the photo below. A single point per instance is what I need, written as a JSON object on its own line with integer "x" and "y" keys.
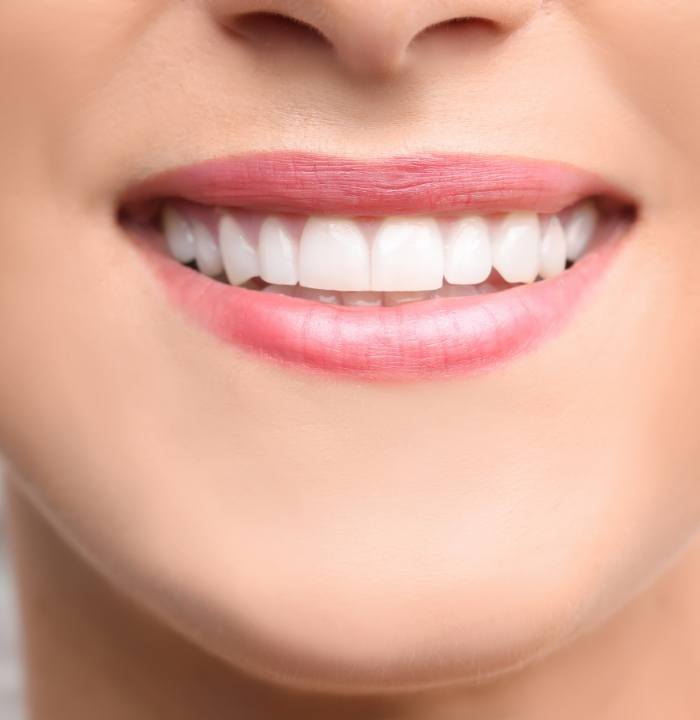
{"x": 358, "y": 631}
{"x": 345, "y": 606}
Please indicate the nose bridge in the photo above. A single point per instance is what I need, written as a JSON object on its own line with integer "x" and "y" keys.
{"x": 371, "y": 37}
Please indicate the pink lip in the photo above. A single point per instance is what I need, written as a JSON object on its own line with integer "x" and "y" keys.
{"x": 418, "y": 340}
{"x": 305, "y": 183}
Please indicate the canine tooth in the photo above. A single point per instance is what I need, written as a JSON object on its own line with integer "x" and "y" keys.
{"x": 178, "y": 235}
{"x": 408, "y": 255}
{"x": 580, "y": 229}
{"x": 516, "y": 246}
{"x": 207, "y": 252}
{"x": 239, "y": 254}
{"x": 362, "y": 299}
{"x": 334, "y": 255}
{"x": 278, "y": 253}
{"x": 552, "y": 248}
{"x": 322, "y": 296}
{"x": 468, "y": 259}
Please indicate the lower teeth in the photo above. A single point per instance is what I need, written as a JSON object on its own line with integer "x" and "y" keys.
{"x": 378, "y": 299}
{"x": 373, "y": 299}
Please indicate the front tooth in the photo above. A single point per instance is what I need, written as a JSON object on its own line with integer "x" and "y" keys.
{"x": 278, "y": 253}
{"x": 239, "y": 254}
{"x": 580, "y": 229}
{"x": 552, "y": 249}
{"x": 516, "y": 246}
{"x": 207, "y": 252}
{"x": 408, "y": 255}
{"x": 334, "y": 255}
{"x": 468, "y": 258}
{"x": 178, "y": 235}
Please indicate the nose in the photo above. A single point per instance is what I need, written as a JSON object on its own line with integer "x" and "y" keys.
{"x": 371, "y": 37}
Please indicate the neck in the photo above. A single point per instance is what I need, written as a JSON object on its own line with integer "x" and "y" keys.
{"x": 90, "y": 652}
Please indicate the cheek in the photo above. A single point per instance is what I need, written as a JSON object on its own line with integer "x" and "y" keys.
{"x": 54, "y": 56}
{"x": 652, "y": 52}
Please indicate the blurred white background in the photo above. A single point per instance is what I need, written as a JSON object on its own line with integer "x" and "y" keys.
{"x": 10, "y": 676}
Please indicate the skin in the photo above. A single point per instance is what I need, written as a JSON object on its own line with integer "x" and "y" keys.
{"x": 289, "y": 545}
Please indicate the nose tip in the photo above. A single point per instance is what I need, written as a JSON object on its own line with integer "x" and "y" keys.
{"x": 375, "y": 41}
{"x": 372, "y": 38}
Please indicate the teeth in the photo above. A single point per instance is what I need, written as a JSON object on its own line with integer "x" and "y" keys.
{"x": 516, "y": 246}
{"x": 289, "y": 290}
{"x": 458, "y": 291}
{"x": 401, "y": 298}
{"x": 552, "y": 249}
{"x": 362, "y": 299}
{"x": 368, "y": 262}
{"x": 334, "y": 255}
{"x": 580, "y": 230}
{"x": 239, "y": 255}
{"x": 206, "y": 251}
{"x": 179, "y": 236}
{"x": 407, "y": 255}
{"x": 468, "y": 259}
{"x": 278, "y": 253}
{"x": 322, "y": 296}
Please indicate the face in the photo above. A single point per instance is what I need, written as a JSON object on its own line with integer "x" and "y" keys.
{"x": 344, "y": 517}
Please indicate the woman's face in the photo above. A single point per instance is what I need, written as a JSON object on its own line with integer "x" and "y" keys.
{"x": 326, "y": 522}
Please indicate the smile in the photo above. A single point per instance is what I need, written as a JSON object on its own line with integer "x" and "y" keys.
{"x": 391, "y": 269}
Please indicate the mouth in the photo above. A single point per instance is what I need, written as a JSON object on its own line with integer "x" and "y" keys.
{"x": 388, "y": 269}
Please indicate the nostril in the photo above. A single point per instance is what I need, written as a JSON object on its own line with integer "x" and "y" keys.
{"x": 270, "y": 27}
{"x": 459, "y": 27}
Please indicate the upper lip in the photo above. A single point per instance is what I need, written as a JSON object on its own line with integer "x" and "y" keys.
{"x": 417, "y": 184}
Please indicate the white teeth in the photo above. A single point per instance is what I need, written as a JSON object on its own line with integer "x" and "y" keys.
{"x": 468, "y": 259}
{"x": 407, "y": 255}
{"x": 372, "y": 261}
{"x": 278, "y": 253}
{"x": 240, "y": 256}
{"x": 207, "y": 251}
{"x": 552, "y": 248}
{"x": 516, "y": 247}
{"x": 580, "y": 229}
{"x": 179, "y": 236}
{"x": 334, "y": 255}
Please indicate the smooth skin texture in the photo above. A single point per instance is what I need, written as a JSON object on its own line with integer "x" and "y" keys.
{"x": 199, "y": 533}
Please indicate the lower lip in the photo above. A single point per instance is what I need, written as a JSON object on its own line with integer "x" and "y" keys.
{"x": 420, "y": 340}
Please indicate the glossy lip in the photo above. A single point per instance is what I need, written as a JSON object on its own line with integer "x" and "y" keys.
{"x": 421, "y": 340}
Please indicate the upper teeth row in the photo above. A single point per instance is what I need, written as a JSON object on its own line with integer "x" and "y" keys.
{"x": 403, "y": 253}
